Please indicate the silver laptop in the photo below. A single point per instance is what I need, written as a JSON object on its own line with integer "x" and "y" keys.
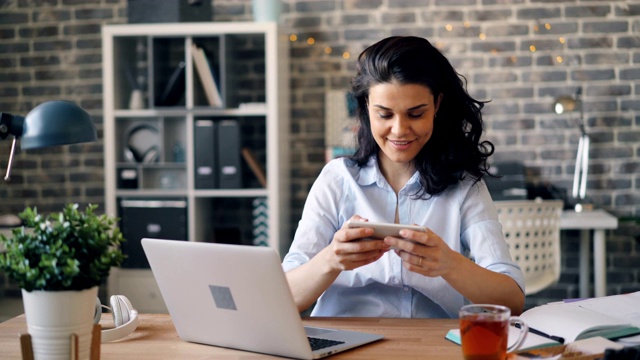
{"x": 237, "y": 296}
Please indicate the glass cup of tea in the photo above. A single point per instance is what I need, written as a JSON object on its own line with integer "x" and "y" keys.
{"x": 484, "y": 331}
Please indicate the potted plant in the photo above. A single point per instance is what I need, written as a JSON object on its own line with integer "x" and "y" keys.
{"x": 59, "y": 261}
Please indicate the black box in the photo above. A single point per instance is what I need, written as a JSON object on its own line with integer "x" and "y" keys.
{"x": 166, "y": 11}
{"x": 205, "y": 154}
{"x": 141, "y": 218}
{"x": 229, "y": 155}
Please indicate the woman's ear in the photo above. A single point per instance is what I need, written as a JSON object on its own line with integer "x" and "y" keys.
{"x": 438, "y": 102}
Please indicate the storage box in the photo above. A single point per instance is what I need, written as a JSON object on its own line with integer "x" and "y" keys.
{"x": 140, "y": 218}
{"x": 166, "y": 11}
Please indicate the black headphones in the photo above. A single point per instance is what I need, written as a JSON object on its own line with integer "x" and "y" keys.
{"x": 142, "y": 143}
{"x": 125, "y": 318}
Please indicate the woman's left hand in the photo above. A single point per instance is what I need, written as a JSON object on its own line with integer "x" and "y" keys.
{"x": 423, "y": 252}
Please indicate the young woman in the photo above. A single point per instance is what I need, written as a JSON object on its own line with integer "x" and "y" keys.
{"x": 419, "y": 160}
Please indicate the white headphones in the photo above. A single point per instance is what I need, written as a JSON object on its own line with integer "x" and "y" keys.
{"x": 125, "y": 318}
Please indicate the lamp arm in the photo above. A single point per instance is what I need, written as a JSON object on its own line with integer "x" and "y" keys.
{"x": 578, "y": 169}
{"x": 11, "y": 125}
{"x": 584, "y": 166}
{"x": 7, "y": 176}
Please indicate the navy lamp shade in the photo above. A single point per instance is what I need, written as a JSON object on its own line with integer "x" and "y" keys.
{"x": 51, "y": 123}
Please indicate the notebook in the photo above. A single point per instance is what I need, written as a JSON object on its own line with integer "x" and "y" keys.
{"x": 237, "y": 296}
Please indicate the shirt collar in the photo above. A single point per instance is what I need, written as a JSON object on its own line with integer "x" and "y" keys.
{"x": 370, "y": 174}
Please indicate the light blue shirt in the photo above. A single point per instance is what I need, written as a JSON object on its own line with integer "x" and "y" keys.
{"x": 463, "y": 216}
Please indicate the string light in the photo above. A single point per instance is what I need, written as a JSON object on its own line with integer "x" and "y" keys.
{"x": 311, "y": 41}
{"x": 448, "y": 27}
{"x": 328, "y": 50}
{"x": 532, "y": 48}
{"x": 293, "y": 37}
{"x": 346, "y": 55}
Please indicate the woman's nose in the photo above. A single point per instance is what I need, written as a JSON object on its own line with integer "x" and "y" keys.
{"x": 400, "y": 125}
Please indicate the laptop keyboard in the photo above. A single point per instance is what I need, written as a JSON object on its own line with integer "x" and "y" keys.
{"x": 317, "y": 344}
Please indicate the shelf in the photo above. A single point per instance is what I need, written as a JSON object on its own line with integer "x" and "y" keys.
{"x": 154, "y": 153}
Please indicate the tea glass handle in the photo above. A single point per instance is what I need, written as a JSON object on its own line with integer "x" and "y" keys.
{"x": 524, "y": 330}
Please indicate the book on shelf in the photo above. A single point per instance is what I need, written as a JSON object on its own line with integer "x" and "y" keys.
{"x": 254, "y": 165}
{"x": 206, "y": 75}
{"x": 173, "y": 91}
{"x": 614, "y": 317}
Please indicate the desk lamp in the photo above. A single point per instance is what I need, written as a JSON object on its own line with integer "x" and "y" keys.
{"x": 564, "y": 104}
{"x": 48, "y": 124}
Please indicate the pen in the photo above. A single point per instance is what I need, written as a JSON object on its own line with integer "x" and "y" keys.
{"x": 538, "y": 332}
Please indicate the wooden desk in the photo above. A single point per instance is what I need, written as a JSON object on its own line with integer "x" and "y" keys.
{"x": 156, "y": 338}
{"x": 597, "y": 221}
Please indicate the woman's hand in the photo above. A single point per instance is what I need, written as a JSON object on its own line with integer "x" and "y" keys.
{"x": 352, "y": 248}
{"x": 423, "y": 252}
{"x": 426, "y": 253}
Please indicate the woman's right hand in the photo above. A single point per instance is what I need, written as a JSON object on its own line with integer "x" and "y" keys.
{"x": 352, "y": 248}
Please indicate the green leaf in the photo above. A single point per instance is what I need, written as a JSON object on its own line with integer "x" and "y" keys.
{"x": 68, "y": 250}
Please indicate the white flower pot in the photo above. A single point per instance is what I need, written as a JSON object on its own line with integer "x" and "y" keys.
{"x": 53, "y": 316}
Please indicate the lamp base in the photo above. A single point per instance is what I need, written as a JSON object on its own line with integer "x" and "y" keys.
{"x": 583, "y": 207}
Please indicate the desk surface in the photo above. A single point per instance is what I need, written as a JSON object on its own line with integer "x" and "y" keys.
{"x": 156, "y": 338}
{"x": 593, "y": 219}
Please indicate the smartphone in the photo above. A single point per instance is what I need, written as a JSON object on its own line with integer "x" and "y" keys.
{"x": 382, "y": 230}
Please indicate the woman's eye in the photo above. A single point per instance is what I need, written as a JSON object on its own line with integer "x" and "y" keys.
{"x": 416, "y": 115}
{"x": 385, "y": 115}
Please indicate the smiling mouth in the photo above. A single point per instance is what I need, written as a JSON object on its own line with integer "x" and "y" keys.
{"x": 396, "y": 142}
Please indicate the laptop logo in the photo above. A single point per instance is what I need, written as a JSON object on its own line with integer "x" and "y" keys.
{"x": 222, "y": 297}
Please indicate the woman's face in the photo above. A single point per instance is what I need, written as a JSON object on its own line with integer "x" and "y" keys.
{"x": 401, "y": 117}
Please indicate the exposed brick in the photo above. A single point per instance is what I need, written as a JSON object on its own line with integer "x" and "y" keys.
{"x": 455, "y": 2}
{"x": 409, "y": 3}
{"x": 38, "y": 32}
{"x": 626, "y": 42}
{"x": 507, "y": 30}
{"x": 307, "y": 21}
{"x": 606, "y": 58}
{"x": 87, "y": 14}
{"x": 399, "y": 18}
{"x": 84, "y": 29}
{"x": 510, "y": 61}
{"x": 538, "y": 76}
{"x": 495, "y": 77}
{"x": 51, "y": 15}
{"x": 593, "y": 75}
{"x": 319, "y": 5}
{"x": 587, "y": 11}
{"x": 440, "y": 15}
{"x": 39, "y": 60}
{"x": 493, "y": 46}
{"x": 629, "y": 74}
{"x": 535, "y": 13}
{"x": 490, "y": 14}
{"x": 605, "y": 27}
{"x": 626, "y": 105}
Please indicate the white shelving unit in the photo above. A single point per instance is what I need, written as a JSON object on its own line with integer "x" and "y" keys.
{"x": 251, "y": 64}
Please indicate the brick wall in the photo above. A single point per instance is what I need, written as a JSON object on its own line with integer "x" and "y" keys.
{"x": 519, "y": 54}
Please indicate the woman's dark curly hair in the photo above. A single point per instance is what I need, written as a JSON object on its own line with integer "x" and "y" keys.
{"x": 455, "y": 148}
